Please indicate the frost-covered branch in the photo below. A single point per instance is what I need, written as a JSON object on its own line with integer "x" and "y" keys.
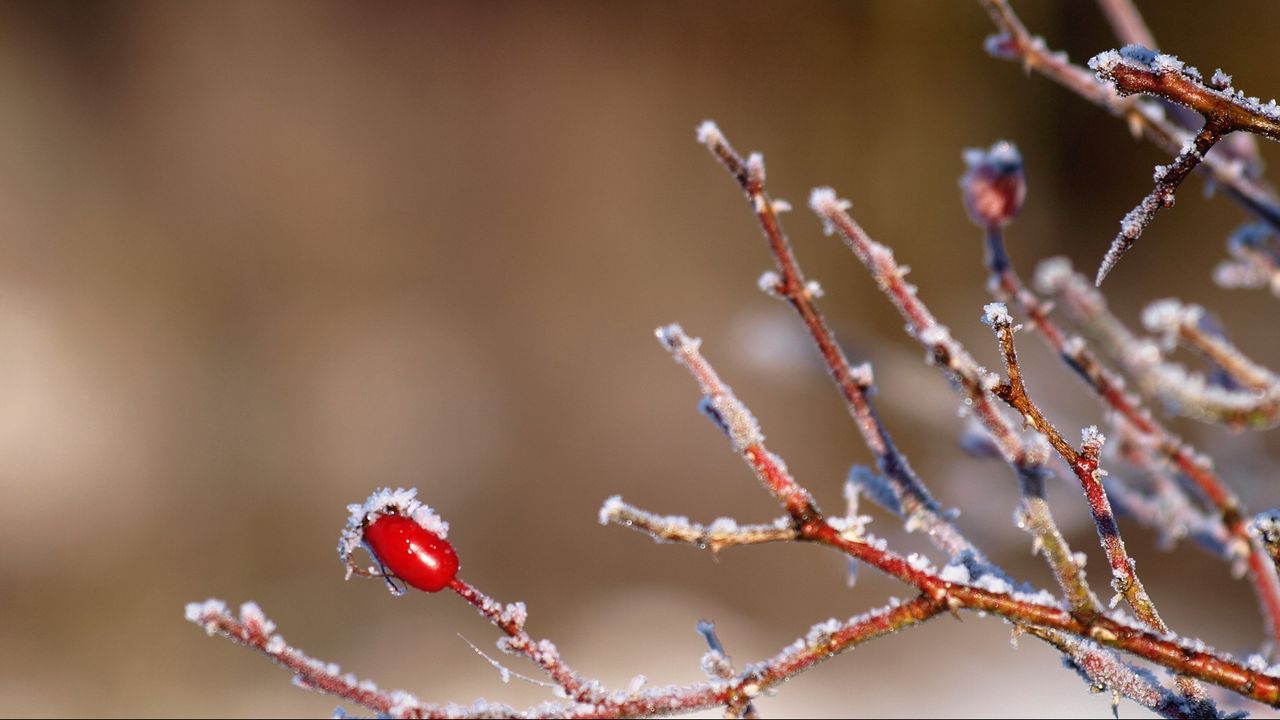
{"x": 974, "y": 384}
{"x": 952, "y": 588}
{"x": 1254, "y": 261}
{"x": 1082, "y": 462}
{"x": 1145, "y": 117}
{"x": 1106, "y": 672}
{"x": 720, "y": 534}
{"x": 1137, "y": 70}
{"x": 855, "y": 383}
{"x": 1193, "y": 327}
{"x": 1181, "y": 391}
{"x": 998, "y": 172}
{"x": 253, "y": 630}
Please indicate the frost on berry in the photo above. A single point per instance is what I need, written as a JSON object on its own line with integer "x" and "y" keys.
{"x": 403, "y": 535}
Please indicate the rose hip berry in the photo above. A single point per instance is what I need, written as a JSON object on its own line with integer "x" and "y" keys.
{"x": 412, "y": 553}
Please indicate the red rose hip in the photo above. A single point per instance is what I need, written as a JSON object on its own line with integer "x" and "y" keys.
{"x": 411, "y": 552}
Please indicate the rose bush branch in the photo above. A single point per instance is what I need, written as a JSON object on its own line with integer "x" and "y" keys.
{"x": 1137, "y": 70}
{"x": 1082, "y": 462}
{"x": 1146, "y": 118}
{"x": 1254, "y": 261}
{"x": 937, "y": 591}
{"x": 854, "y": 383}
{"x": 1191, "y": 326}
{"x": 972, "y": 383}
{"x": 1180, "y": 390}
{"x": 994, "y": 186}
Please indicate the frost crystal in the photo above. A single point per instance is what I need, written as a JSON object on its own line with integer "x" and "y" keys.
{"x": 385, "y": 501}
{"x": 955, "y": 573}
{"x": 1167, "y": 64}
{"x": 996, "y": 314}
{"x": 862, "y": 375}
{"x": 709, "y": 133}
{"x": 827, "y": 205}
{"x": 610, "y": 509}
{"x": 769, "y": 282}
{"x": 1091, "y": 439}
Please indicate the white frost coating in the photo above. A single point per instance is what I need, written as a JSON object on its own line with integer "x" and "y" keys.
{"x": 709, "y": 133}
{"x": 723, "y": 526}
{"x": 920, "y": 563}
{"x": 716, "y": 665}
{"x": 1165, "y": 64}
{"x": 636, "y": 683}
{"x": 822, "y": 632}
{"x": 201, "y": 612}
{"x": 996, "y": 314}
{"x": 515, "y": 612}
{"x": 993, "y": 583}
{"x": 1091, "y": 440}
{"x": 955, "y": 573}
{"x": 256, "y": 620}
{"x": 1052, "y": 274}
{"x": 719, "y": 401}
{"x": 1104, "y": 62}
{"x": 813, "y": 289}
{"x": 862, "y": 374}
{"x": 769, "y": 282}
{"x": 935, "y": 335}
{"x": 780, "y": 206}
{"x": 385, "y": 501}
{"x": 1004, "y": 152}
{"x": 1167, "y": 316}
{"x": 610, "y": 509}
{"x": 755, "y": 168}
{"x": 1221, "y": 80}
{"x": 825, "y": 202}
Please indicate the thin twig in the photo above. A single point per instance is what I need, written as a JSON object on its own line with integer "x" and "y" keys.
{"x": 974, "y": 384}
{"x": 720, "y": 534}
{"x": 1187, "y": 324}
{"x": 1005, "y": 284}
{"x": 1182, "y": 391}
{"x": 999, "y": 599}
{"x": 717, "y": 664}
{"x": 854, "y": 383}
{"x": 1082, "y": 462}
{"x": 1254, "y": 261}
{"x": 1144, "y": 117}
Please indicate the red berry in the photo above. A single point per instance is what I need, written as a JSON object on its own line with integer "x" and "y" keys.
{"x": 412, "y": 553}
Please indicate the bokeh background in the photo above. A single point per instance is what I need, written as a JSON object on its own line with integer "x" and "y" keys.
{"x": 257, "y": 259}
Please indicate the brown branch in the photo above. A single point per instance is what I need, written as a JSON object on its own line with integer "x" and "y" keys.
{"x": 1186, "y": 324}
{"x": 955, "y": 596}
{"x": 1254, "y": 261}
{"x": 1182, "y": 391}
{"x": 1136, "y": 70}
{"x": 854, "y": 383}
{"x": 1145, "y": 117}
{"x": 974, "y": 384}
{"x": 722, "y": 533}
{"x": 1082, "y": 462}
{"x": 1266, "y": 528}
{"x": 1167, "y": 180}
{"x": 1109, "y": 388}
{"x": 717, "y": 664}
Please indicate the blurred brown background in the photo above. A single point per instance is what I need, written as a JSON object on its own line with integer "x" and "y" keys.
{"x": 259, "y": 259}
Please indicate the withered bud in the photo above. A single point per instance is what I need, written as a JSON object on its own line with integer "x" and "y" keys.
{"x": 994, "y": 186}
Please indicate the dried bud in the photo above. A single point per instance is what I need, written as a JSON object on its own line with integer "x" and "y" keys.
{"x": 994, "y": 185}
